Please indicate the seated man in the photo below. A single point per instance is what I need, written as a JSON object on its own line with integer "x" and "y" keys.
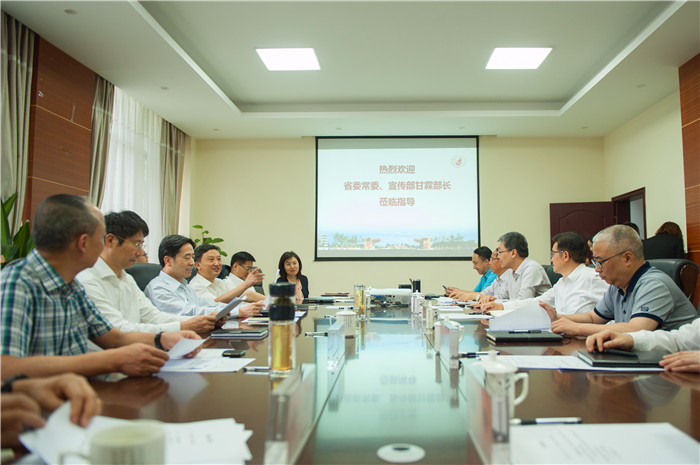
{"x": 169, "y": 291}
{"x": 116, "y": 294}
{"x": 682, "y": 345}
{"x": 481, "y": 263}
{"x": 496, "y": 290}
{"x": 205, "y": 283}
{"x": 580, "y": 287}
{"x": 640, "y": 297}
{"x": 47, "y": 319}
{"x": 529, "y": 278}
{"x": 241, "y": 268}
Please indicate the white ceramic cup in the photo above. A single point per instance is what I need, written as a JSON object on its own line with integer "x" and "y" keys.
{"x": 504, "y": 382}
{"x": 142, "y": 442}
{"x": 349, "y": 318}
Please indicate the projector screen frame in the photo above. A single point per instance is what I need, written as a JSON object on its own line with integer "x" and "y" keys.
{"x": 399, "y": 258}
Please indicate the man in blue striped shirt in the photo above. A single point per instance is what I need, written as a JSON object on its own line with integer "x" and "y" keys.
{"x": 46, "y": 316}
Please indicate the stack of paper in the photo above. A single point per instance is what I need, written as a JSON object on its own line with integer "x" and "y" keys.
{"x": 201, "y": 442}
{"x": 527, "y": 318}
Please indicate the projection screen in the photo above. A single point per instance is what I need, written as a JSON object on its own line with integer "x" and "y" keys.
{"x": 394, "y": 198}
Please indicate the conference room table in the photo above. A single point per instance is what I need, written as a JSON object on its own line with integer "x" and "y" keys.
{"x": 390, "y": 388}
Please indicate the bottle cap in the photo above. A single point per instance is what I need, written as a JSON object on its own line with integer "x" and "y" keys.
{"x": 283, "y": 289}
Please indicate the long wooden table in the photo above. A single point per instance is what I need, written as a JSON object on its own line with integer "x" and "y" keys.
{"x": 393, "y": 388}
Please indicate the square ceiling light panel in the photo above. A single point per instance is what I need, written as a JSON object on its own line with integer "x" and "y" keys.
{"x": 517, "y": 57}
{"x": 289, "y": 59}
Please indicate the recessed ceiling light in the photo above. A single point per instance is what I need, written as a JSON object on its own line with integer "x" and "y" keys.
{"x": 289, "y": 59}
{"x": 517, "y": 58}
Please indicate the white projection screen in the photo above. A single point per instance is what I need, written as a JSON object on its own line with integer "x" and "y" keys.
{"x": 397, "y": 198}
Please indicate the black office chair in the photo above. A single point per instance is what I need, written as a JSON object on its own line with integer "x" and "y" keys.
{"x": 682, "y": 271}
{"x": 553, "y": 277}
{"x": 143, "y": 273}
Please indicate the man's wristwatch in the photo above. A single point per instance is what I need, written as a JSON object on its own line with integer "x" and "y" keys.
{"x": 7, "y": 385}
{"x": 156, "y": 340}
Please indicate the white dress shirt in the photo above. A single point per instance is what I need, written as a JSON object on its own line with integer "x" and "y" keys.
{"x": 529, "y": 280}
{"x": 687, "y": 337}
{"x": 232, "y": 281}
{"x": 499, "y": 287}
{"x": 121, "y": 301}
{"x": 577, "y": 293}
{"x": 178, "y": 298}
{"x": 208, "y": 289}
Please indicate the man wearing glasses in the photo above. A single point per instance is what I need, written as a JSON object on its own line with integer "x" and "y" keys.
{"x": 495, "y": 290}
{"x": 639, "y": 298}
{"x": 529, "y": 278}
{"x": 116, "y": 294}
{"x": 580, "y": 287}
{"x": 241, "y": 269}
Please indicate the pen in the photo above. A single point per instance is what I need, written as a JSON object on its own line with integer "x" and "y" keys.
{"x": 315, "y": 333}
{"x": 525, "y": 331}
{"x": 546, "y": 421}
{"x": 257, "y": 369}
{"x": 476, "y": 354}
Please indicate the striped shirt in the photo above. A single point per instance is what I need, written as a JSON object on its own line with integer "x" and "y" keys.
{"x": 41, "y": 314}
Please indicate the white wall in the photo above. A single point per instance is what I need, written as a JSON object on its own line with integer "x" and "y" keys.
{"x": 259, "y": 195}
{"x": 648, "y": 152}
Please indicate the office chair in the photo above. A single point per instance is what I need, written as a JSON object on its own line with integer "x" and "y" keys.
{"x": 143, "y": 273}
{"x": 683, "y": 272}
{"x": 553, "y": 277}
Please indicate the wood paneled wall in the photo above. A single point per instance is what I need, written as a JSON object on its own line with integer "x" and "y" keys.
{"x": 59, "y": 127}
{"x": 689, "y": 78}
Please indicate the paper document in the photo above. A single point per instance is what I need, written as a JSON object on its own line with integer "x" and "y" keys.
{"x": 208, "y": 360}
{"x": 202, "y": 442}
{"x": 183, "y": 347}
{"x": 562, "y": 362}
{"x": 602, "y": 443}
{"x": 528, "y": 317}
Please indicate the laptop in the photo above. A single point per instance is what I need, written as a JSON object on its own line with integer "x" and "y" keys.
{"x": 523, "y": 336}
{"x": 641, "y": 358}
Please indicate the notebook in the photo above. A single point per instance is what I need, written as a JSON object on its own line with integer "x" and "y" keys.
{"x": 240, "y": 333}
{"x": 641, "y": 358}
{"x": 523, "y": 336}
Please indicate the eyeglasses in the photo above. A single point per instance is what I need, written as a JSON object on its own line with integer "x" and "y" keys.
{"x": 552, "y": 252}
{"x": 495, "y": 258}
{"x": 599, "y": 263}
{"x": 499, "y": 251}
{"x": 139, "y": 245}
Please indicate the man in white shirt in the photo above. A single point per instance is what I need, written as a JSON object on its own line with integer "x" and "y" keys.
{"x": 529, "y": 278}
{"x": 241, "y": 268}
{"x": 116, "y": 294}
{"x": 579, "y": 289}
{"x": 682, "y": 344}
{"x": 207, "y": 259}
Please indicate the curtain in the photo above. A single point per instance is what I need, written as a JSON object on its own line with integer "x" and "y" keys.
{"x": 17, "y": 68}
{"x": 172, "y": 160}
{"x": 99, "y": 144}
{"x": 133, "y": 171}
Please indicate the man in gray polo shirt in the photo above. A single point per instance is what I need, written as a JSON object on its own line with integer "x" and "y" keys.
{"x": 640, "y": 297}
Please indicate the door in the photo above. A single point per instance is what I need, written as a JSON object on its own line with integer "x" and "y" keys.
{"x": 585, "y": 218}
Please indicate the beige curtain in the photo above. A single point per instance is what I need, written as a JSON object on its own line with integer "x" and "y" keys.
{"x": 99, "y": 144}
{"x": 17, "y": 68}
{"x": 172, "y": 160}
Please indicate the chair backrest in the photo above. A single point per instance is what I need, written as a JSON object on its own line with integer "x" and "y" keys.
{"x": 143, "y": 273}
{"x": 553, "y": 277}
{"x": 682, "y": 271}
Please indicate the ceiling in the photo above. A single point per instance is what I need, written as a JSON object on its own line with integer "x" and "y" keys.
{"x": 387, "y": 68}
